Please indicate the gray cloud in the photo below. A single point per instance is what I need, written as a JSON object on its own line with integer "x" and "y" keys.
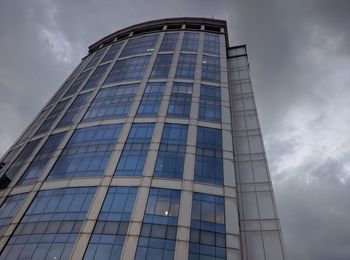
{"x": 299, "y": 58}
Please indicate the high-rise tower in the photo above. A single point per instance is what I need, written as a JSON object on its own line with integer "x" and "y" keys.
{"x": 151, "y": 149}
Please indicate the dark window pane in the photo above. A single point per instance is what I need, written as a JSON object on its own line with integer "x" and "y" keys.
{"x": 8, "y": 210}
{"x": 52, "y": 117}
{"x": 211, "y": 44}
{"x": 151, "y": 100}
{"x": 140, "y": 45}
{"x": 207, "y": 238}
{"x": 32, "y": 238}
{"x": 37, "y": 166}
{"x": 169, "y": 42}
{"x": 171, "y": 155}
{"x": 95, "y": 58}
{"x": 87, "y": 152}
{"x": 158, "y": 232}
{"x": 208, "y": 166}
{"x": 161, "y": 66}
{"x": 77, "y": 83}
{"x": 186, "y": 66}
{"x": 128, "y": 69}
{"x": 190, "y": 41}
{"x": 135, "y": 150}
{"x": 22, "y": 159}
{"x": 96, "y": 77}
{"x": 210, "y": 103}
{"x": 112, "y": 102}
{"x": 211, "y": 68}
{"x": 74, "y": 110}
{"x": 108, "y": 237}
{"x": 112, "y": 52}
{"x": 180, "y": 100}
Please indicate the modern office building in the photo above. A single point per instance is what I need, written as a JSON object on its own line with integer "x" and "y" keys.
{"x": 151, "y": 149}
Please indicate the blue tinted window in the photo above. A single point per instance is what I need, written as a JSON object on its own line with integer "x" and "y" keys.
{"x": 210, "y": 103}
{"x": 22, "y": 158}
{"x": 77, "y": 83}
{"x": 208, "y": 167}
{"x": 112, "y": 102}
{"x": 169, "y": 42}
{"x": 51, "y": 225}
{"x": 96, "y": 77}
{"x": 37, "y": 122}
{"x": 108, "y": 237}
{"x": 186, "y": 66}
{"x": 59, "y": 93}
{"x": 211, "y": 68}
{"x": 190, "y": 41}
{"x": 161, "y": 66}
{"x": 151, "y": 99}
{"x": 158, "y": 232}
{"x": 74, "y": 110}
{"x": 52, "y": 117}
{"x": 211, "y": 44}
{"x": 112, "y": 52}
{"x": 8, "y": 210}
{"x": 95, "y": 59}
{"x": 133, "y": 157}
{"x": 140, "y": 45}
{"x": 207, "y": 238}
{"x": 87, "y": 152}
{"x": 37, "y": 166}
{"x": 128, "y": 69}
{"x": 172, "y": 150}
{"x": 180, "y": 100}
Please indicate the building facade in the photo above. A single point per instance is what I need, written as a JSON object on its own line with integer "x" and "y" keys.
{"x": 151, "y": 149}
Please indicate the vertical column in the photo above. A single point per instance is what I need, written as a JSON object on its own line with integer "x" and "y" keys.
{"x": 131, "y": 239}
{"x": 231, "y": 203}
{"x": 260, "y": 228}
{"x": 184, "y": 223}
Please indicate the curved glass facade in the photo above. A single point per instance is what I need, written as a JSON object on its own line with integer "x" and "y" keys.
{"x": 151, "y": 149}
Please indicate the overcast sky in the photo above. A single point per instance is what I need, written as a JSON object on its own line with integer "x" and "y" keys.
{"x": 299, "y": 52}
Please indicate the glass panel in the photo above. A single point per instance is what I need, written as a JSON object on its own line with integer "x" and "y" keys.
{"x": 108, "y": 237}
{"x": 172, "y": 150}
{"x": 87, "y": 152}
{"x": 151, "y": 99}
{"x": 52, "y": 117}
{"x": 158, "y": 232}
{"x": 190, "y": 41}
{"x": 180, "y": 100}
{"x": 74, "y": 110}
{"x": 207, "y": 238}
{"x": 169, "y": 42}
{"x": 8, "y": 210}
{"x": 211, "y": 44}
{"x": 112, "y": 52}
{"x": 186, "y": 66}
{"x": 211, "y": 68}
{"x": 143, "y": 44}
{"x": 135, "y": 150}
{"x": 95, "y": 59}
{"x": 48, "y": 229}
{"x": 161, "y": 66}
{"x": 210, "y": 103}
{"x": 40, "y": 161}
{"x": 77, "y": 83}
{"x": 96, "y": 77}
{"x": 113, "y": 102}
{"x": 208, "y": 166}
{"x": 22, "y": 158}
{"x": 128, "y": 69}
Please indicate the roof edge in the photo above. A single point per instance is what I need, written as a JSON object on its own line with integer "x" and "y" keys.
{"x": 159, "y": 22}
